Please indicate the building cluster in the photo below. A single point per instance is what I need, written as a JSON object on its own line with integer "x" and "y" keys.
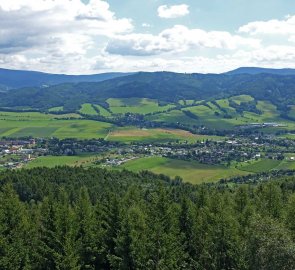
{"x": 16, "y": 153}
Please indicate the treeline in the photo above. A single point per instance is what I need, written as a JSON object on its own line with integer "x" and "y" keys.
{"x": 72, "y": 218}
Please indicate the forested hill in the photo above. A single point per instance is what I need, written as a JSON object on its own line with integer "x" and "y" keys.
{"x": 164, "y": 86}
{"x": 257, "y": 70}
{"x": 20, "y": 78}
{"x": 72, "y": 218}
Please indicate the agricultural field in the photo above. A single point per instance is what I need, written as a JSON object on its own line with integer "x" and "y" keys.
{"x": 241, "y": 98}
{"x": 174, "y": 116}
{"x": 191, "y": 171}
{"x": 213, "y": 117}
{"x": 102, "y": 111}
{"x": 128, "y": 135}
{"x": 136, "y": 105}
{"x": 53, "y": 161}
{"x": 56, "y": 109}
{"x": 258, "y": 166}
{"x": 47, "y": 125}
{"x": 88, "y": 109}
{"x": 265, "y": 165}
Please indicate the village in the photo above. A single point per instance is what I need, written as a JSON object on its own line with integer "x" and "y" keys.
{"x": 16, "y": 153}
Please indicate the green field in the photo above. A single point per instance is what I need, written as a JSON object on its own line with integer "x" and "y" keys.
{"x": 47, "y": 125}
{"x": 174, "y": 116}
{"x": 136, "y": 105}
{"x": 56, "y": 109}
{"x": 131, "y": 134}
{"x": 241, "y": 98}
{"x": 213, "y": 116}
{"x": 262, "y": 165}
{"x": 102, "y": 111}
{"x": 88, "y": 109}
{"x": 190, "y": 171}
{"x": 53, "y": 161}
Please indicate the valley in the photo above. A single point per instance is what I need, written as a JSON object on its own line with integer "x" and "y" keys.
{"x": 209, "y": 136}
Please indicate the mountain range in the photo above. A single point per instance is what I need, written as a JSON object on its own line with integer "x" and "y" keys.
{"x": 166, "y": 87}
{"x": 21, "y": 78}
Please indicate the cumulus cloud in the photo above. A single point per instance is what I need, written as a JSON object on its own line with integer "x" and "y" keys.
{"x": 56, "y": 28}
{"x": 177, "y": 39}
{"x": 170, "y": 12}
{"x": 278, "y": 27}
{"x": 68, "y": 36}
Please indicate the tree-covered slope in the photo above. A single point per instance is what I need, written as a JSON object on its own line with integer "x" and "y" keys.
{"x": 20, "y": 78}
{"x": 71, "y": 218}
{"x": 258, "y": 70}
{"x": 163, "y": 86}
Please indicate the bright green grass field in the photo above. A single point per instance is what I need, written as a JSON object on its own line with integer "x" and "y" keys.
{"x": 46, "y": 125}
{"x": 88, "y": 109}
{"x": 263, "y": 165}
{"x": 135, "y": 105}
{"x": 131, "y": 134}
{"x": 207, "y": 117}
{"x": 56, "y": 109}
{"x": 175, "y": 116}
{"x": 53, "y": 161}
{"x": 242, "y": 98}
{"x": 102, "y": 111}
{"x": 189, "y": 171}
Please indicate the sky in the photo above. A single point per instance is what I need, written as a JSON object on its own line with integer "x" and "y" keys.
{"x": 192, "y": 36}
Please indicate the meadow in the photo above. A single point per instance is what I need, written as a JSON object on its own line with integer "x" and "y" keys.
{"x": 47, "y": 125}
{"x": 190, "y": 171}
{"x": 136, "y": 105}
{"x": 53, "y": 161}
{"x": 131, "y": 134}
{"x": 88, "y": 109}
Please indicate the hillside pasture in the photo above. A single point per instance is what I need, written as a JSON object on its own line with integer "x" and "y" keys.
{"x": 241, "y": 98}
{"x": 47, "y": 125}
{"x": 136, "y": 105}
{"x": 261, "y": 165}
{"x": 191, "y": 171}
{"x": 156, "y": 135}
{"x": 52, "y": 161}
{"x": 88, "y": 109}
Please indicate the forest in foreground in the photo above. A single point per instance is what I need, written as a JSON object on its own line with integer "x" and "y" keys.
{"x": 73, "y": 218}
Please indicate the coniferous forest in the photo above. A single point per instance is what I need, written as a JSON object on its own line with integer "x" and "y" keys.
{"x": 72, "y": 218}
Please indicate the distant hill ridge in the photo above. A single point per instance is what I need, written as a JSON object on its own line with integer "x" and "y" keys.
{"x": 21, "y": 78}
{"x": 258, "y": 70}
{"x": 163, "y": 86}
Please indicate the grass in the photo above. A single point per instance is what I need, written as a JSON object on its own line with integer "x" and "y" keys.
{"x": 213, "y": 117}
{"x": 56, "y": 109}
{"x": 262, "y": 165}
{"x": 47, "y": 125}
{"x": 53, "y": 161}
{"x": 241, "y": 98}
{"x": 151, "y": 135}
{"x": 102, "y": 111}
{"x": 136, "y": 105}
{"x": 88, "y": 109}
{"x": 190, "y": 171}
{"x": 174, "y": 116}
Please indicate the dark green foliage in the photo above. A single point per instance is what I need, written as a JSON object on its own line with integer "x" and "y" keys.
{"x": 72, "y": 218}
{"x": 163, "y": 86}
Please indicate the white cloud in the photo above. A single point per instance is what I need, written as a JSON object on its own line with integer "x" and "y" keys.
{"x": 67, "y": 36}
{"x": 277, "y": 27}
{"x": 177, "y": 39}
{"x": 169, "y": 12}
{"x": 63, "y": 27}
